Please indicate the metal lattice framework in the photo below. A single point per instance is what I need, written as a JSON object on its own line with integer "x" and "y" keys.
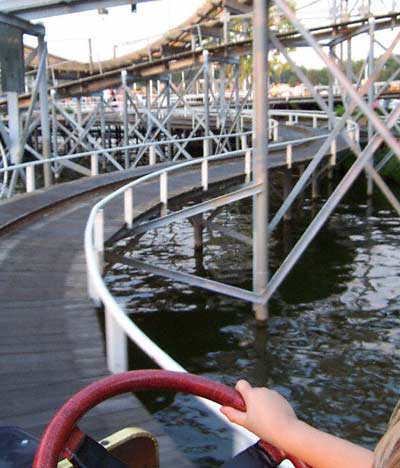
{"x": 147, "y": 135}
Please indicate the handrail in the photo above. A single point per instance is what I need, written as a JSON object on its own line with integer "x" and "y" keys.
{"x": 83, "y": 154}
{"x": 352, "y": 130}
{"x": 118, "y": 325}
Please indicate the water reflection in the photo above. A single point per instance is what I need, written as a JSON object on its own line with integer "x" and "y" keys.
{"x": 331, "y": 345}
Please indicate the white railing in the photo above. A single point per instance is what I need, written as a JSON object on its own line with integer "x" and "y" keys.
{"x": 93, "y": 156}
{"x": 119, "y": 327}
{"x": 94, "y": 240}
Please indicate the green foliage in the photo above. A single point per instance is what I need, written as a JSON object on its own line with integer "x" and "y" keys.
{"x": 339, "y": 110}
{"x": 281, "y": 72}
{"x": 391, "y": 170}
{"x": 278, "y": 23}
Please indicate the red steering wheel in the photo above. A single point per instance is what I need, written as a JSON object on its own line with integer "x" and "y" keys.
{"x": 63, "y": 424}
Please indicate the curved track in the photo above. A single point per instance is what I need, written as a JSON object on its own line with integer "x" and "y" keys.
{"x": 51, "y": 343}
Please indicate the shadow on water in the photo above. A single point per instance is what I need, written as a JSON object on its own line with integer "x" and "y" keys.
{"x": 330, "y": 345}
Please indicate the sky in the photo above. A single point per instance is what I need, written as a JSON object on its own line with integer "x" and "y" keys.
{"x": 69, "y": 35}
{"x": 123, "y": 31}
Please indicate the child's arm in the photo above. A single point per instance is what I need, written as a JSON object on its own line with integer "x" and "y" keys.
{"x": 270, "y": 417}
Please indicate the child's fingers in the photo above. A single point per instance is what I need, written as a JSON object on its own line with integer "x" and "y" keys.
{"x": 244, "y": 388}
{"x": 234, "y": 415}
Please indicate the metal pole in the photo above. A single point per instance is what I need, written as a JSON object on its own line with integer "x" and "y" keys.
{"x": 237, "y": 102}
{"x": 206, "y": 67}
{"x": 44, "y": 115}
{"x": 13, "y": 125}
{"x": 54, "y": 127}
{"x": 168, "y": 92}
{"x": 125, "y": 117}
{"x": 260, "y": 144}
{"x": 222, "y": 104}
{"x": 90, "y": 56}
{"x": 349, "y": 67}
{"x": 331, "y": 96}
{"x": 328, "y": 208}
{"x": 371, "y": 97}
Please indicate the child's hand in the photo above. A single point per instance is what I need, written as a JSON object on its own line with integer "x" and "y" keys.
{"x": 268, "y": 414}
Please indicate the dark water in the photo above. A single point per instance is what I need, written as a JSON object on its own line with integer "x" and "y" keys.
{"x": 331, "y": 345}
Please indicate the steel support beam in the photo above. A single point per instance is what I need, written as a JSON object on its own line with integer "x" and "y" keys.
{"x": 260, "y": 154}
{"x": 237, "y": 195}
{"x": 24, "y": 26}
{"x": 327, "y": 209}
{"x": 34, "y": 9}
{"x": 205, "y": 283}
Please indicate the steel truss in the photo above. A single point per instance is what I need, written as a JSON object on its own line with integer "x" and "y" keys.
{"x": 16, "y": 130}
{"x": 147, "y": 136}
{"x": 358, "y": 99}
{"x": 148, "y": 118}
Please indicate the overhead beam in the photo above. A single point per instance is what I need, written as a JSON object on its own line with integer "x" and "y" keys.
{"x": 35, "y": 9}
{"x": 24, "y": 26}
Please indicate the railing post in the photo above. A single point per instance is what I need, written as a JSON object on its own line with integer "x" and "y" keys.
{"x": 128, "y": 207}
{"x": 30, "y": 179}
{"x": 124, "y": 76}
{"x": 289, "y": 156}
{"x": 314, "y": 121}
{"x": 117, "y": 345}
{"x": 164, "y": 188}
{"x": 206, "y": 148}
{"x": 99, "y": 238}
{"x": 247, "y": 166}
{"x": 243, "y": 140}
{"x": 94, "y": 164}
{"x": 275, "y": 131}
{"x": 152, "y": 155}
{"x": 333, "y": 153}
{"x": 204, "y": 174}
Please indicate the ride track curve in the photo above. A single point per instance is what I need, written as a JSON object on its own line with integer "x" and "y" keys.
{"x": 174, "y": 50}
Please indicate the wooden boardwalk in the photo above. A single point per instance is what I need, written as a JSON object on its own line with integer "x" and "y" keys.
{"x": 51, "y": 344}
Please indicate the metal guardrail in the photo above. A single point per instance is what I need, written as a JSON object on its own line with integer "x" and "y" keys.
{"x": 119, "y": 327}
{"x": 30, "y": 168}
